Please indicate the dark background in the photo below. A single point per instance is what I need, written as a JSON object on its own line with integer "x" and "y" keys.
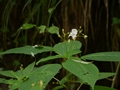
{"x": 99, "y": 19}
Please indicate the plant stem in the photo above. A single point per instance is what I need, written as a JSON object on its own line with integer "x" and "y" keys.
{"x": 52, "y": 12}
{"x": 59, "y": 82}
{"x": 116, "y": 73}
{"x": 79, "y": 86}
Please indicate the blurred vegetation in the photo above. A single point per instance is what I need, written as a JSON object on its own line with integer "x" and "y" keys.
{"x": 99, "y": 19}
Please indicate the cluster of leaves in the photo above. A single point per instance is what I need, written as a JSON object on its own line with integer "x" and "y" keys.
{"x": 34, "y": 78}
{"x": 41, "y": 28}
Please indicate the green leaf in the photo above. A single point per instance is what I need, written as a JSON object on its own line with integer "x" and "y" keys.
{"x": 87, "y": 72}
{"x": 28, "y": 69}
{"x": 103, "y": 88}
{"x": 115, "y": 21}
{"x": 8, "y": 73}
{"x": 42, "y": 28}
{"x": 19, "y": 74}
{"x": 48, "y": 58}
{"x": 27, "y": 26}
{"x": 43, "y": 74}
{"x": 16, "y": 63}
{"x": 103, "y": 75}
{"x": 2, "y": 80}
{"x": 14, "y": 84}
{"x": 103, "y": 56}
{"x": 27, "y": 50}
{"x": 50, "y": 10}
{"x": 67, "y": 49}
{"x": 65, "y": 79}
{"x": 53, "y": 30}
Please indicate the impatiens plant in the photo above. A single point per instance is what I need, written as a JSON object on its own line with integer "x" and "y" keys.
{"x": 74, "y": 65}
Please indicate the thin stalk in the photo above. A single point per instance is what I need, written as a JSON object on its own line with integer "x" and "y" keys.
{"x": 59, "y": 82}
{"x": 79, "y": 86}
{"x": 52, "y": 12}
{"x": 116, "y": 73}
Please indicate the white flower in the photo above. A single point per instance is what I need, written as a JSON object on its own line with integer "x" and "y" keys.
{"x": 73, "y": 33}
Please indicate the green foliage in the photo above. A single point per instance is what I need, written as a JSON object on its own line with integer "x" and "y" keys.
{"x": 115, "y": 20}
{"x": 67, "y": 48}
{"x": 42, "y": 28}
{"x": 103, "y": 56}
{"x": 118, "y": 1}
{"x": 34, "y": 78}
{"x": 28, "y": 50}
{"x": 44, "y": 74}
{"x": 103, "y": 88}
{"x": 85, "y": 71}
{"x": 53, "y": 30}
{"x": 27, "y": 26}
{"x": 103, "y": 75}
{"x": 57, "y": 88}
{"x": 26, "y": 78}
{"x": 48, "y": 58}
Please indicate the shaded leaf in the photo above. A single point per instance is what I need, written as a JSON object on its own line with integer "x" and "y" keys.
{"x": 42, "y": 28}
{"x": 53, "y": 30}
{"x": 103, "y": 88}
{"x": 2, "y": 80}
{"x": 27, "y": 26}
{"x": 50, "y": 10}
{"x": 103, "y": 75}
{"x": 65, "y": 79}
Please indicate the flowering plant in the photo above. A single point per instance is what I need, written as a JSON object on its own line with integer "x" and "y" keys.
{"x": 37, "y": 78}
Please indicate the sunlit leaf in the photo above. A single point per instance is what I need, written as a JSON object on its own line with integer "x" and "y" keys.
{"x": 87, "y": 72}
{"x": 67, "y": 49}
{"x": 103, "y": 56}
